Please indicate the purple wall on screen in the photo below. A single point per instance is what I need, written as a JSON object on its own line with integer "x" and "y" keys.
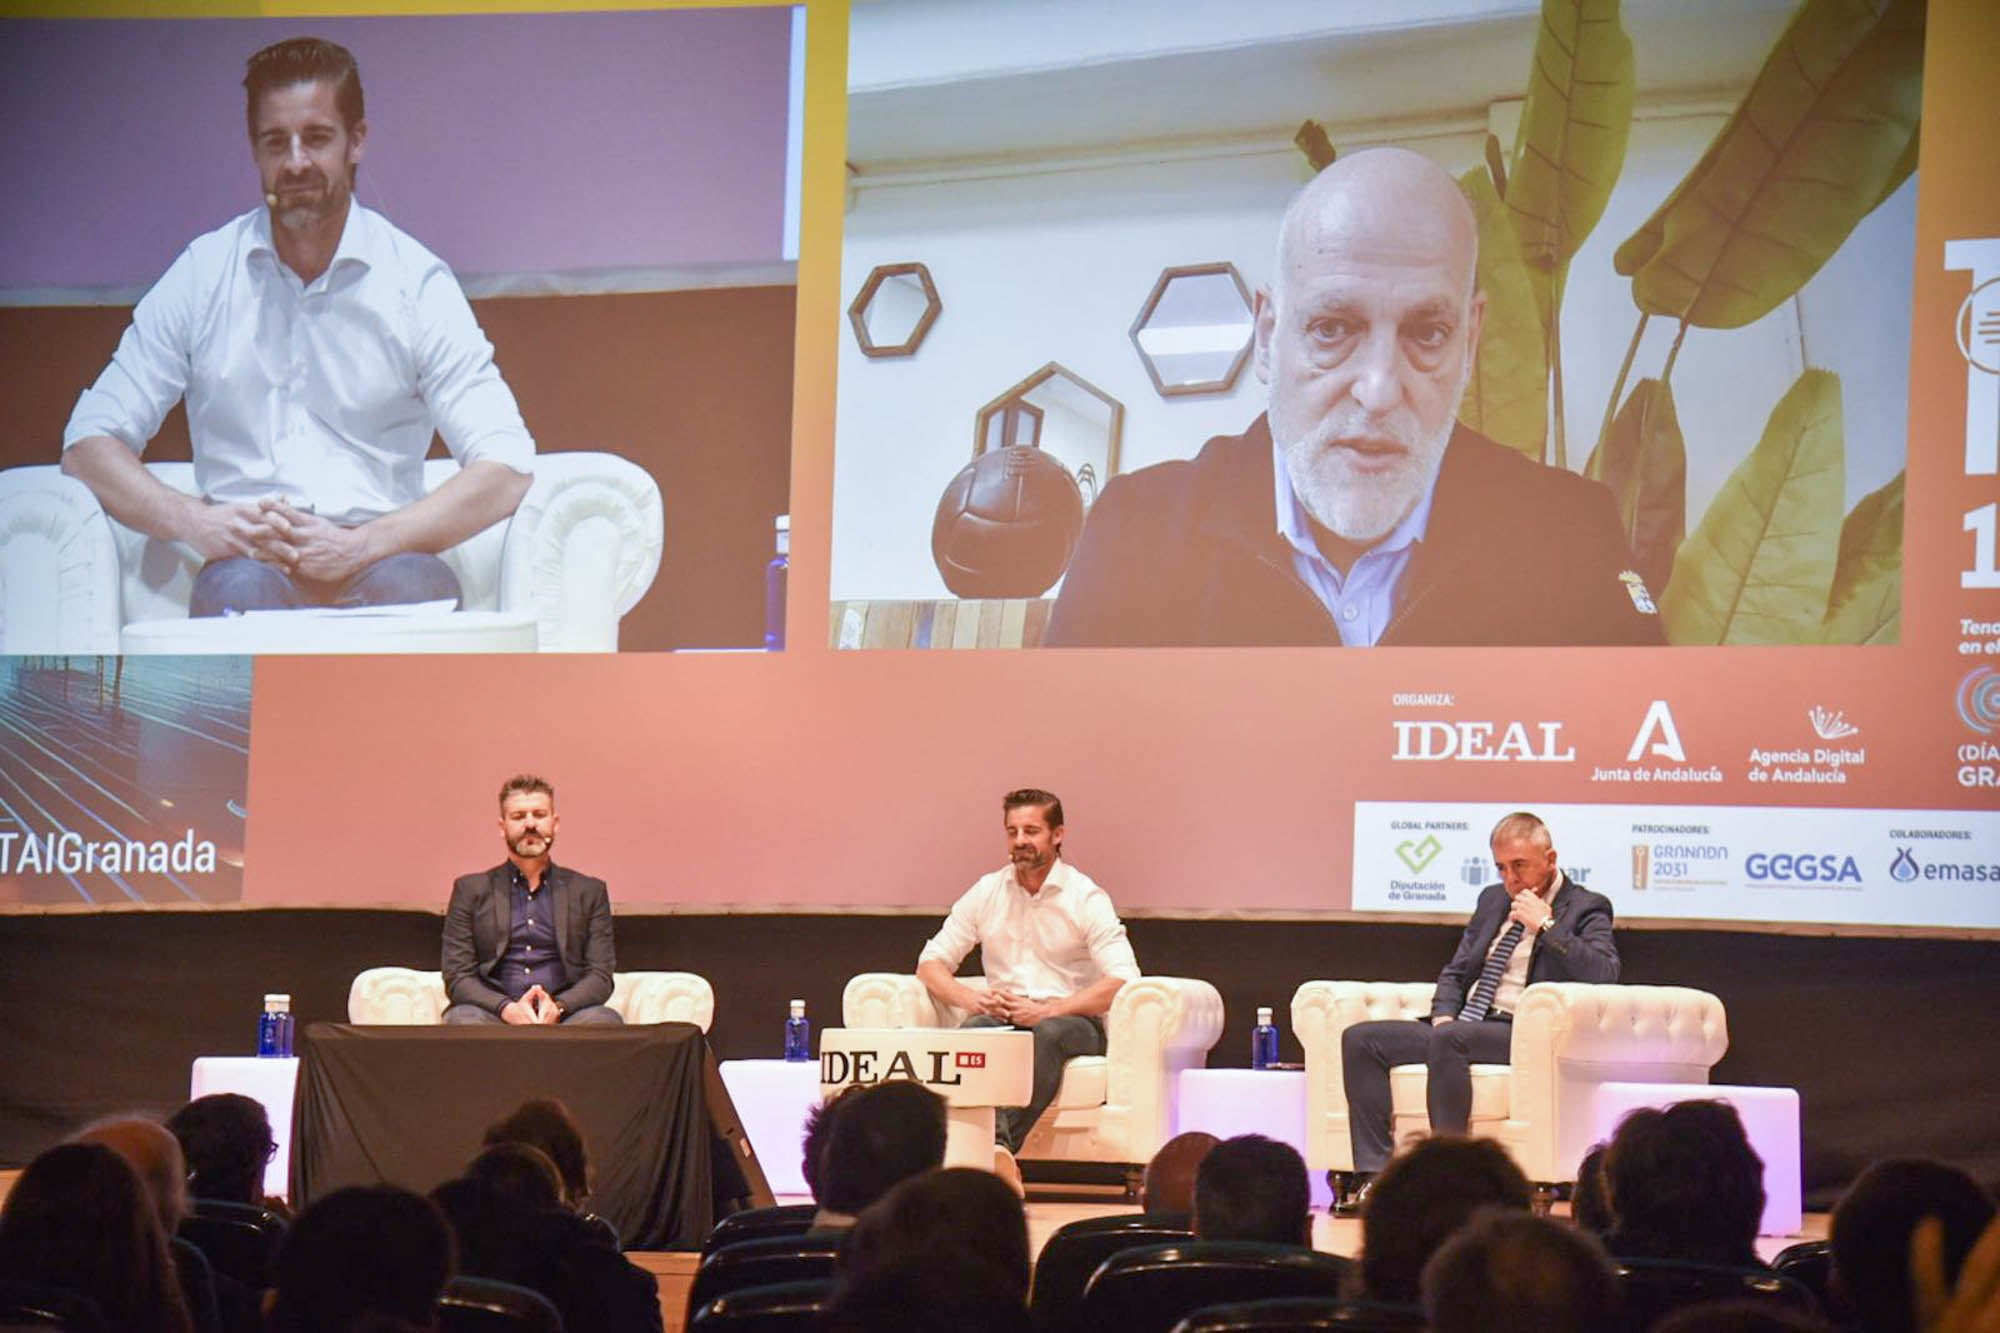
{"x": 505, "y": 143}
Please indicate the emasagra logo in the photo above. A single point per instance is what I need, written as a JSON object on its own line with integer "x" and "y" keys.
{"x": 1979, "y": 700}
{"x": 1906, "y": 869}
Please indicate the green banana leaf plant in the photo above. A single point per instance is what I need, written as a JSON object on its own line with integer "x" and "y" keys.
{"x": 1826, "y": 132}
{"x": 1644, "y": 462}
{"x": 1506, "y": 396}
{"x": 1568, "y": 152}
{"x": 1762, "y": 559}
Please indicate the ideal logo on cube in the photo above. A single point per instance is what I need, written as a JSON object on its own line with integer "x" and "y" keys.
{"x": 970, "y": 1060}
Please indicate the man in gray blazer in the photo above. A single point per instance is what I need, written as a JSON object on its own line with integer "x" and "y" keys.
{"x": 1534, "y": 925}
{"x": 529, "y": 941}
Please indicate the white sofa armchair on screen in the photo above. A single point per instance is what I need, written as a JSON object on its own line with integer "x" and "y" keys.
{"x": 1568, "y": 1037}
{"x": 578, "y": 554}
{"x": 1117, "y": 1107}
{"x": 407, "y": 997}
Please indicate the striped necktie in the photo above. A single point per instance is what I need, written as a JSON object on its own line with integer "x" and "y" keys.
{"x": 1481, "y": 1002}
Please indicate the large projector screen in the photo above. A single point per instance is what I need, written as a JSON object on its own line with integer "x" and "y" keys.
{"x": 1025, "y": 225}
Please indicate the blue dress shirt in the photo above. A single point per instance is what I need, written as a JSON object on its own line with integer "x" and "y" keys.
{"x": 1363, "y": 601}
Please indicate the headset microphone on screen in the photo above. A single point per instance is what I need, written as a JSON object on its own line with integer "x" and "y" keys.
{"x": 270, "y": 201}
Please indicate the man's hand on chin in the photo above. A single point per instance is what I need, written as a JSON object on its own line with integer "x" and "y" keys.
{"x": 312, "y": 547}
{"x": 1530, "y": 909}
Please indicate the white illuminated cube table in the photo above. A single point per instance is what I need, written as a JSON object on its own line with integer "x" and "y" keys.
{"x": 772, "y": 1100}
{"x": 975, "y": 1070}
{"x": 1230, "y": 1102}
{"x": 267, "y": 1079}
{"x": 1770, "y": 1118}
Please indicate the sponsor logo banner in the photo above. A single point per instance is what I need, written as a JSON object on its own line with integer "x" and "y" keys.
{"x": 1712, "y": 863}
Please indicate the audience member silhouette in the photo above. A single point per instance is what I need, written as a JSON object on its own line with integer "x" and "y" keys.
{"x": 1684, "y": 1184}
{"x": 79, "y": 1218}
{"x": 155, "y": 1155}
{"x": 508, "y": 1215}
{"x": 1168, "y": 1187}
{"x": 1968, "y": 1304}
{"x": 1253, "y": 1188}
{"x": 227, "y": 1141}
{"x": 363, "y": 1253}
{"x": 1740, "y": 1317}
{"x": 1422, "y": 1199}
{"x": 882, "y": 1135}
{"x": 1871, "y": 1230}
{"x": 215, "y": 1301}
{"x": 1510, "y": 1272}
{"x": 812, "y": 1144}
{"x": 937, "y": 1292}
{"x": 1589, "y": 1205}
{"x": 957, "y": 1209}
{"x": 523, "y": 1177}
{"x": 546, "y": 1123}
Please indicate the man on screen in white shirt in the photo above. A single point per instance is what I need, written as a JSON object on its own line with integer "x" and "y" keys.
{"x": 317, "y": 347}
{"x": 1053, "y": 950}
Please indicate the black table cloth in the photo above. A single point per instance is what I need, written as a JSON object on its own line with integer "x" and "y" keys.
{"x": 409, "y": 1106}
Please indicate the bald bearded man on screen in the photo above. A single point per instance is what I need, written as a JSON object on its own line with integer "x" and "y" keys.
{"x": 1357, "y": 511}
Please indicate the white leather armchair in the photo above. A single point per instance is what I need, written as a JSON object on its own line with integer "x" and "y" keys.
{"x": 1116, "y": 1107}
{"x": 402, "y": 995}
{"x": 579, "y": 553}
{"x": 1568, "y": 1038}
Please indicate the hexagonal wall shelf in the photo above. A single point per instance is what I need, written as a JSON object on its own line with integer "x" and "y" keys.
{"x": 1060, "y": 412}
{"x": 1195, "y": 331}
{"x": 894, "y": 309}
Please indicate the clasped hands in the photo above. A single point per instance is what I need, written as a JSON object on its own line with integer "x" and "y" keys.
{"x": 1019, "y": 1010}
{"x": 536, "y": 1007}
{"x": 274, "y": 531}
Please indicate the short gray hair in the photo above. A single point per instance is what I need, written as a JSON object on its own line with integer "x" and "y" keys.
{"x": 1523, "y": 826}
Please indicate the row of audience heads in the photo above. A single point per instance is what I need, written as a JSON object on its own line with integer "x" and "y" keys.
{"x": 95, "y": 1217}
{"x": 1449, "y": 1223}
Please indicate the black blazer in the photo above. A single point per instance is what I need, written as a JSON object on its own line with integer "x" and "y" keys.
{"x": 481, "y": 914}
{"x": 1187, "y": 552}
{"x": 1578, "y": 946}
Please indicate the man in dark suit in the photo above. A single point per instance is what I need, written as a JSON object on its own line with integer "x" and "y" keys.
{"x": 1534, "y": 925}
{"x": 528, "y": 941}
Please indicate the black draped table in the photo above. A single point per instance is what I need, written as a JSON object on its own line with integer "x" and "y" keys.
{"x": 409, "y": 1105}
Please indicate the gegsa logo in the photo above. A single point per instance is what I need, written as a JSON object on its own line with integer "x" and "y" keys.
{"x": 1801, "y": 868}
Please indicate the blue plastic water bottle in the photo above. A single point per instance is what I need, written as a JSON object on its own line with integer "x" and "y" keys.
{"x": 274, "y": 1027}
{"x": 1263, "y": 1041}
{"x": 798, "y": 1034}
{"x": 775, "y": 575}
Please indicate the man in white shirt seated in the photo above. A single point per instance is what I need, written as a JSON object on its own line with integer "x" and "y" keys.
{"x": 1534, "y": 925}
{"x": 1053, "y": 950}
{"x": 318, "y": 347}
